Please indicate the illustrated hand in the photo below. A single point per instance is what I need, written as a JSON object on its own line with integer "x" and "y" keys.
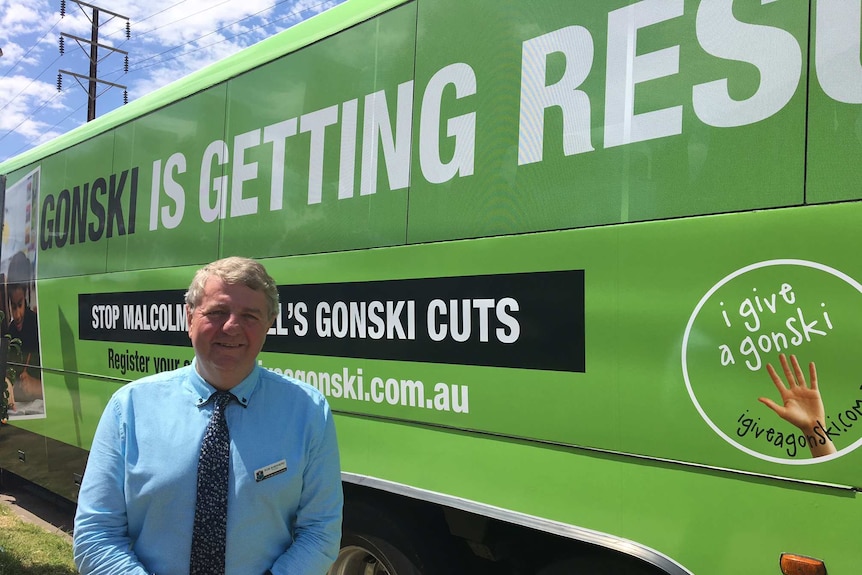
{"x": 802, "y": 404}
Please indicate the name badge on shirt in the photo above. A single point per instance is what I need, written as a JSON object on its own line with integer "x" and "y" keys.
{"x": 270, "y": 470}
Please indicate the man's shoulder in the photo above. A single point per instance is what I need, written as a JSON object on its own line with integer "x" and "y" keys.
{"x": 161, "y": 383}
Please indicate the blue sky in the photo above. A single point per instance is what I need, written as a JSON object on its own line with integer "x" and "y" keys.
{"x": 169, "y": 39}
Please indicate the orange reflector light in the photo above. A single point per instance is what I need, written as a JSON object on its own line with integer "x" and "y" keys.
{"x": 800, "y": 565}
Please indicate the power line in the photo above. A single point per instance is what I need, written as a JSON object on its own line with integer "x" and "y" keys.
{"x": 144, "y": 33}
{"x": 55, "y": 60}
{"x": 179, "y": 20}
{"x": 184, "y": 17}
{"x": 28, "y": 117}
{"x": 288, "y": 15}
{"x": 26, "y": 146}
{"x": 27, "y": 53}
{"x": 72, "y": 113}
{"x": 147, "y": 18}
{"x": 13, "y": 98}
{"x": 93, "y": 77}
{"x": 137, "y": 67}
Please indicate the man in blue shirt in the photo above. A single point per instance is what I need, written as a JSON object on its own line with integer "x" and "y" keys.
{"x": 136, "y": 506}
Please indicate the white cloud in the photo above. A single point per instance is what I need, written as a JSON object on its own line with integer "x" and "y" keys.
{"x": 15, "y": 17}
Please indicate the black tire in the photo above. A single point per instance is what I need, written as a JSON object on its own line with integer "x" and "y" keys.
{"x": 378, "y": 541}
{"x": 367, "y": 555}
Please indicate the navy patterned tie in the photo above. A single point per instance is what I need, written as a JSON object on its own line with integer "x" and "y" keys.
{"x": 210, "y": 528}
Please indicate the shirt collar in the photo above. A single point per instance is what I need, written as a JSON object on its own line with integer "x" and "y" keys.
{"x": 202, "y": 391}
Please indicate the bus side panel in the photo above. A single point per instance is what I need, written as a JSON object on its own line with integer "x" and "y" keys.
{"x": 79, "y": 212}
{"x": 651, "y": 339}
{"x": 164, "y": 154}
{"x": 835, "y": 115}
{"x": 567, "y": 134}
{"x": 321, "y": 160}
{"x": 708, "y": 520}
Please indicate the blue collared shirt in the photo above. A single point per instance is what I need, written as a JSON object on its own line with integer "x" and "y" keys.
{"x": 136, "y": 504}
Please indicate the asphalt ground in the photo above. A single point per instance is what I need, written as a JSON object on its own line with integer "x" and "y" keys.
{"x": 36, "y": 505}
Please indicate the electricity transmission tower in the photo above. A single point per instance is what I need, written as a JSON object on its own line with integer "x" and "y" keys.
{"x": 93, "y": 54}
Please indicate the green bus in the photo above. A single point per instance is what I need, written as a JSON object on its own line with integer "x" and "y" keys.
{"x": 545, "y": 259}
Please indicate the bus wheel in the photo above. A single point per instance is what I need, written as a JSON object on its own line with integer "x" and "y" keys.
{"x": 368, "y": 556}
{"x": 377, "y": 540}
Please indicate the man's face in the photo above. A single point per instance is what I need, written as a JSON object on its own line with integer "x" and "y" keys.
{"x": 17, "y": 301}
{"x": 227, "y": 330}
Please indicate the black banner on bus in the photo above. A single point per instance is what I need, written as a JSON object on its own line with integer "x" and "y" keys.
{"x": 524, "y": 320}
{"x": 157, "y": 317}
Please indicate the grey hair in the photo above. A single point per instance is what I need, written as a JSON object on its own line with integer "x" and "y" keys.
{"x": 235, "y": 271}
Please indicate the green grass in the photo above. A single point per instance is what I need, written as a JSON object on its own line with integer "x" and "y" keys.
{"x": 27, "y": 549}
